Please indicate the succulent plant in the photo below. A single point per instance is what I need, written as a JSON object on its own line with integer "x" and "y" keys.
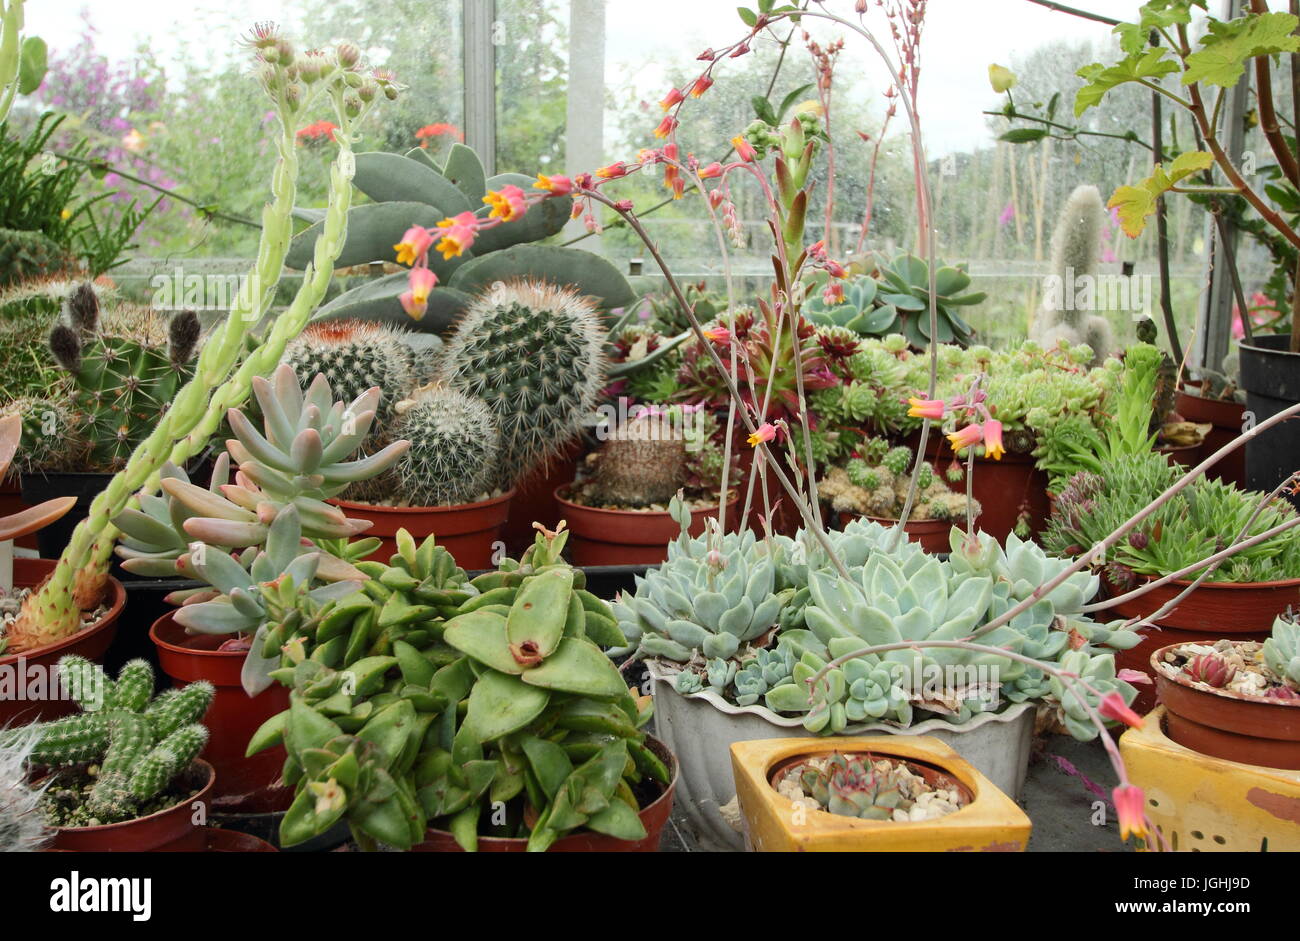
{"x": 455, "y": 448}
{"x": 857, "y": 311}
{"x": 643, "y": 461}
{"x": 1076, "y": 247}
{"x": 52, "y": 435}
{"x": 22, "y": 827}
{"x": 1282, "y": 652}
{"x": 851, "y": 787}
{"x": 877, "y": 486}
{"x": 139, "y": 743}
{"x": 353, "y": 356}
{"x": 412, "y": 190}
{"x": 1210, "y": 669}
{"x": 126, "y": 375}
{"x": 26, "y": 255}
{"x": 535, "y": 355}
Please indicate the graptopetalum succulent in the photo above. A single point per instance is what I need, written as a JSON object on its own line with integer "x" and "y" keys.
{"x": 275, "y": 514}
{"x": 126, "y": 377}
{"x": 139, "y": 743}
{"x": 513, "y": 703}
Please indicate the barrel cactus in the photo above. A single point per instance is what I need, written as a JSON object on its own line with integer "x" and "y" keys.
{"x": 534, "y": 354}
{"x": 454, "y": 452}
{"x": 52, "y": 438}
{"x": 136, "y": 745}
{"x": 126, "y": 370}
{"x": 354, "y": 355}
{"x": 25, "y": 255}
{"x": 643, "y": 461}
{"x": 413, "y": 190}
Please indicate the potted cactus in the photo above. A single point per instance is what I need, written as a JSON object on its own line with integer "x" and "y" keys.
{"x": 515, "y": 384}
{"x": 1235, "y": 699}
{"x": 619, "y": 515}
{"x": 874, "y": 483}
{"x": 484, "y": 714}
{"x": 123, "y": 368}
{"x": 17, "y": 579}
{"x": 872, "y": 794}
{"x": 22, "y": 827}
{"x": 257, "y": 543}
{"x": 123, "y": 774}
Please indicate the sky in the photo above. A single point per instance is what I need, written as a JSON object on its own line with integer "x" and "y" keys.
{"x": 961, "y": 38}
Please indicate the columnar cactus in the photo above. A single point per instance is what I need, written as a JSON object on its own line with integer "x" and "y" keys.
{"x": 1282, "y": 652}
{"x": 535, "y": 355}
{"x": 455, "y": 448}
{"x": 139, "y": 743}
{"x": 126, "y": 371}
{"x": 1076, "y": 245}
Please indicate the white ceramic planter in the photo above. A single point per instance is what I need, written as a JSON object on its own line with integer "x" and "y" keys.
{"x": 700, "y": 729}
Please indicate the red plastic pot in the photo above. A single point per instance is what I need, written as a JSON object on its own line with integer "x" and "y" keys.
{"x": 471, "y": 532}
{"x": 653, "y": 816}
{"x": 626, "y": 537}
{"x": 1227, "y": 419}
{"x": 1251, "y": 730}
{"x": 1239, "y": 610}
{"x": 534, "y": 500}
{"x": 931, "y": 535}
{"x": 172, "y": 830}
{"x": 1183, "y": 455}
{"x": 18, "y": 671}
{"x": 246, "y": 784}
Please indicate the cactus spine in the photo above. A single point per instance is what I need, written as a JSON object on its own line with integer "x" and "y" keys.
{"x": 641, "y": 463}
{"x": 353, "y": 356}
{"x": 1075, "y": 248}
{"x": 455, "y": 447}
{"x": 22, "y": 829}
{"x": 534, "y": 353}
{"x": 52, "y": 437}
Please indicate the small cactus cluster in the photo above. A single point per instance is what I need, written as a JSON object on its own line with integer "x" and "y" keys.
{"x": 126, "y": 370}
{"x": 534, "y": 354}
{"x": 875, "y": 484}
{"x": 642, "y": 462}
{"x": 138, "y": 743}
{"x": 455, "y": 448}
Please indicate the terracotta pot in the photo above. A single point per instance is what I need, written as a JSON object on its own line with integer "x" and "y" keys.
{"x": 1004, "y": 488}
{"x": 171, "y": 830}
{"x": 627, "y": 537}
{"x": 653, "y": 816}
{"x": 17, "y": 670}
{"x": 932, "y": 535}
{"x": 1227, "y": 419}
{"x": 1250, "y": 730}
{"x": 471, "y": 531}
{"x": 232, "y": 841}
{"x": 1184, "y": 455}
{"x": 248, "y": 784}
{"x": 989, "y": 821}
{"x": 534, "y": 500}
{"x": 1242, "y": 611}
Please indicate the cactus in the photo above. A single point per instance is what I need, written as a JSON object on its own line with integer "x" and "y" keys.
{"x": 52, "y": 437}
{"x": 140, "y": 746}
{"x": 1075, "y": 248}
{"x": 27, "y": 255}
{"x": 411, "y": 190}
{"x": 454, "y": 452}
{"x": 22, "y": 828}
{"x": 642, "y": 462}
{"x": 354, "y": 355}
{"x": 126, "y": 374}
{"x": 534, "y": 354}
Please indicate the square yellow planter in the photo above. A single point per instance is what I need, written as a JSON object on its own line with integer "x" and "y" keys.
{"x": 990, "y": 822}
{"x": 1208, "y": 804}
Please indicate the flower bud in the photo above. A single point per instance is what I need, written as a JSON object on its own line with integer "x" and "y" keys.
{"x": 352, "y": 106}
{"x": 348, "y": 55}
{"x": 367, "y": 91}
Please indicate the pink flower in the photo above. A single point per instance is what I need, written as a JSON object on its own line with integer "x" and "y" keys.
{"x": 926, "y": 408}
{"x": 993, "y": 439}
{"x": 1007, "y": 214}
{"x": 966, "y": 437}
{"x": 674, "y": 97}
{"x": 718, "y": 334}
{"x": 1113, "y": 707}
{"x": 666, "y": 126}
{"x": 1129, "y": 803}
{"x": 508, "y": 203}
{"x": 555, "y": 185}
{"x": 712, "y": 171}
{"x": 702, "y": 84}
{"x": 766, "y": 432}
{"x": 413, "y": 245}
{"x": 416, "y": 301}
{"x": 744, "y": 150}
{"x": 834, "y": 293}
{"x": 613, "y": 171}
{"x": 457, "y": 234}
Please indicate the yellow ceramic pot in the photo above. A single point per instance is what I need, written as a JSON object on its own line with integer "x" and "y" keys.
{"x": 991, "y": 822}
{"x": 1209, "y": 804}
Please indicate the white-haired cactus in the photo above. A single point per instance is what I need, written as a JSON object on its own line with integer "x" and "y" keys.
{"x": 535, "y": 355}
{"x": 22, "y": 826}
{"x": 455, "y": 448}
{"x": 1076, "y": 245}
{"x": 139, "y": 745}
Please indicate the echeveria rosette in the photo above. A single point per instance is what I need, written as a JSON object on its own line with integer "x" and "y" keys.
{"x": 1282, "y": 652}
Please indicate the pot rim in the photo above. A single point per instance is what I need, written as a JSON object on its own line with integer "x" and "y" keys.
{"x": 669, "y": 790}
{"x": 1245, "y": 344}
{"x": 1187, "y": 682}
{"x": 422, "y": 510}
{"x": 1011, "y": 713}
{"x": 187, "y": 651}
{"x": 583, "y": 508}
{"x": 202, "y": 795}
{"x": 786, "y": 762}
{"x": 109, "y": 617}
{"x": 1224, "y": 586}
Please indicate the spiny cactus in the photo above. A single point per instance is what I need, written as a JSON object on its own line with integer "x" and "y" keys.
{"x": 22, "y": 828}
{"x": 642, "y": 462}
{"x": 127, "y": 370}
{"x": 52, "y": 436}
{"x": 1075, "y": 248}
{"x": 454, "y": 452}
{"x": 353, "y": 356}
{"x": 26, "y": 255}
{"x": 534, "y": 353}
{"x": 140, "y": 744}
